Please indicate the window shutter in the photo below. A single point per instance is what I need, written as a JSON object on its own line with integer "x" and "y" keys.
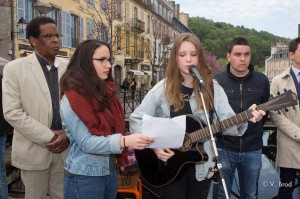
{"x": 81, "y": 29}
{"x": 28, "y": 10}
{"x": 21, "y": 13}
{"x": 68, "y": 24}
{"x": 66, "y": 29}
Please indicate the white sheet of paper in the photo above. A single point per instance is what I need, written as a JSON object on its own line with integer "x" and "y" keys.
{"x": 168, "y": 132}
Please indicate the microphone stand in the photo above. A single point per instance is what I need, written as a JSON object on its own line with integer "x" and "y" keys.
{"x": 213, "y": 141}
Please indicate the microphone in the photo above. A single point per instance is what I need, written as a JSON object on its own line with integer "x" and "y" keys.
{"x": 193, "y": 70}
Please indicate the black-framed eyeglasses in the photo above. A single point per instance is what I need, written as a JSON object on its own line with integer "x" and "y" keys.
{"x": 51, "y": 36}
{"x": 105, "y": 60}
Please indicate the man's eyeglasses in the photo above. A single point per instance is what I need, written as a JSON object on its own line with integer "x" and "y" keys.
{"x": 51, "y": 36}
{"x": 105, "y": 60}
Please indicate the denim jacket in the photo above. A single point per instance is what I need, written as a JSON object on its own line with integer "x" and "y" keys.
{"x": 155, "y": 104}
{"x": 89, "y": 154}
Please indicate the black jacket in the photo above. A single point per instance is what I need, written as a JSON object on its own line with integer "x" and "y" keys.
{"x": 4, "y": 126}
{"x": 254, "y": 89}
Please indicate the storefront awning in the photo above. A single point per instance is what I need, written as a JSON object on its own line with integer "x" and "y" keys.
{"x": 136, "y": 72}
{"x": 148, "y": 72}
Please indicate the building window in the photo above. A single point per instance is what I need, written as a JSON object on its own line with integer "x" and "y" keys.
{"x": 119, "y": 10}
{"x": 118, "y": 38}
{"x": 135, "y": 46}
{"x": 156, "y": 6}
{"x": 90, "y": 3}
{"x": 148, "y": 24}
{"x": 159, "y": 29}
{"x": 24, "y": 9}
{"x": 81, "y": 29}
{"x": 148, "y": 46}
{"x": 29, "y": 13}
{"x": 55, "y": 15}
{"x": 142, "y": 47}
{"x": 159, "y": 53}
{"x": 127, "y": 43}
{"x": 66, "y": 29}
{"x": 104, "y": 6}
{"x": 74, "y": 31}
{"x": 90, "y": 29}
{"x": 101, "y": 32}
{"x": 135, "y": 13}
{"x": 160, "y": 9}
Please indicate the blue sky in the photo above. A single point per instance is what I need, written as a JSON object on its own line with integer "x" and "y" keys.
{"x": 279, "y": 17}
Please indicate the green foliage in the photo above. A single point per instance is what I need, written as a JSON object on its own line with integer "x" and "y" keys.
{"x": 223, "y": 63}
{"x": 259, "y": 69}
{"x": 215, "y": 37}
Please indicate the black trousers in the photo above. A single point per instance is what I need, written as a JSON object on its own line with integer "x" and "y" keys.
{"x": 187, "y": 187}
{"x": 287, "y": 183}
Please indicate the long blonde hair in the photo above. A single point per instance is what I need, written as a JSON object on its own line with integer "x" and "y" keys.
{"x": 174, "y": 78}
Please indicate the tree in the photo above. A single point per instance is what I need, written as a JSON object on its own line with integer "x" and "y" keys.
{"x": 157, "y": 53}
{"x": 100, "y": 21}
{"x": 223, "y": 63}
{"x": 212, "y": 62}
{"x": 259, "y": 69}
{"x": 215, "y": 37}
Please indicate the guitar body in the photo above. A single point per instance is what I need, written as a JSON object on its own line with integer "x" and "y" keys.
{"x": 158, "y": 173}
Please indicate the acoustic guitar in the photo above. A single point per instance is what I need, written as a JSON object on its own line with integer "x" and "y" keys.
{"x": 196, "y": 147}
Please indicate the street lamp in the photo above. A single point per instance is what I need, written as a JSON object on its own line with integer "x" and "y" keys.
{"x": 22, "y": 24}
{"x": 21, "y": 27}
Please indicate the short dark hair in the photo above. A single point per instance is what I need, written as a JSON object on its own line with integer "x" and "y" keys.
{"x": 33, "y": 27}
{"x": 237, "y": 41}
{"x": 294, "y": 44}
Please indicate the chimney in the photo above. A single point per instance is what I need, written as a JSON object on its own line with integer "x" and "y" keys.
{"x": 298, "y": 30}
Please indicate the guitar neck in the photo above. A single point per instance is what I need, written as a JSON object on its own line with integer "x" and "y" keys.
{"x": 203, "y": 133}
{"x": 288, "y": 98}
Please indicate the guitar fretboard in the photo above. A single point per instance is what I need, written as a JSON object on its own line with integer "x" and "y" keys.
{"x": 239, "y": 118}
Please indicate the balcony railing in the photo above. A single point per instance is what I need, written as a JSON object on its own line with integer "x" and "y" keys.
{"x": 137, "y": 25}
{"x": 165, "y": 39}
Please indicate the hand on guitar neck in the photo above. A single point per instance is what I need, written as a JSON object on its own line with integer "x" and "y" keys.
{"x": 257, "y": 114}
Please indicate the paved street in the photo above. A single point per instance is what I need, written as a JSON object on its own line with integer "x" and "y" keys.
{"x": 268, "y": 182}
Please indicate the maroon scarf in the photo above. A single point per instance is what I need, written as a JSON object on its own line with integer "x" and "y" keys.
{"x": 99, "y": 123}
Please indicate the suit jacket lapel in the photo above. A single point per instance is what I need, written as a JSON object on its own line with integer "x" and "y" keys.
{"x": 61, "y": 69}
{"x": 39, "y": 75}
